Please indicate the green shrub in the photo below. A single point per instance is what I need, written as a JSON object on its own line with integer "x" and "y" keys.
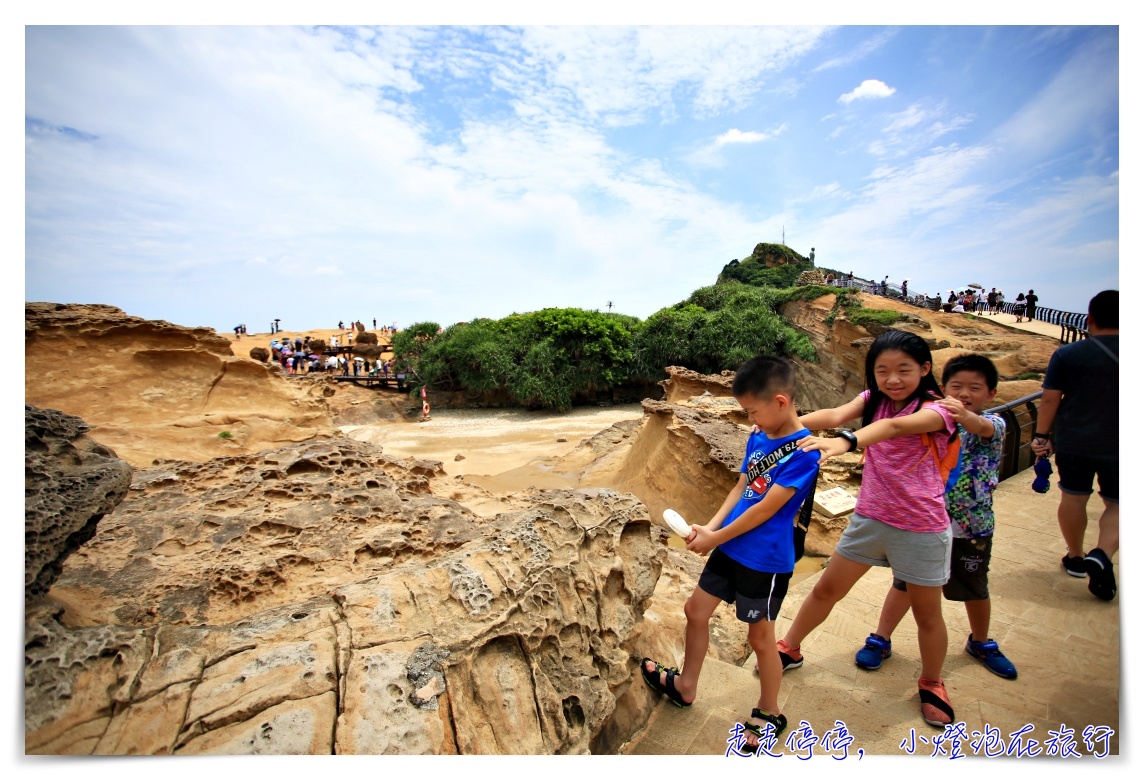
{"x": 1030, "y": 375}
{"x": 862, "y": 316}
{"x": 717, "y": 328}
{"x": 753, "y": 270}
{"x": 543, "y": 359}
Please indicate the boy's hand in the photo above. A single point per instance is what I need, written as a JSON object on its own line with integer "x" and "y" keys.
{"x": 828, "y": 447}
{"x": 955, "y": 408}
{"x": 702, "y": 540}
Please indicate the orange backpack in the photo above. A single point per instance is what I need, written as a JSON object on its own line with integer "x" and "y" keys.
{"x": 949, "y": 465}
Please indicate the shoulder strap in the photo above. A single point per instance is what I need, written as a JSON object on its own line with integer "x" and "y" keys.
{"x": 802, "y": 521}
{"x": 1107, "y": 351}
{"x": 765, "y": 463}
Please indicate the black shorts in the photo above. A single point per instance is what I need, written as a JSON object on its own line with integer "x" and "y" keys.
{"x": 757, "y": 595}
{"x": 968, "y": 570}
{"x": 1077, "y": 471}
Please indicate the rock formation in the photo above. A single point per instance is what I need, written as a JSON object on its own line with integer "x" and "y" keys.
{"x": 683, "y": 384}
{"x": 683, "y": 458}
{"x": 70, "y": 483}
{"x": 811, "y": 276}
{"x": 319, "y": 598}
{"x": 152, "y": 389}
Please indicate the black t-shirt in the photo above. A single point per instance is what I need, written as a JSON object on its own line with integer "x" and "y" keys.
{"x": 1088, "y": 421}
{"x": 1031, "y": 301}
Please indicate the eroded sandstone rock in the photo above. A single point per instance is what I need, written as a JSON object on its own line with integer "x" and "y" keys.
{"x": 683, "y": 384}
{"x": 70, "y": 483}
{"x": 404, "y": 622}
{"x": 151, "y": 389}
{"x": 683, "y": 458}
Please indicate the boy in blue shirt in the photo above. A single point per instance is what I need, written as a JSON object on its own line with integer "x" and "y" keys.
{"x": 970, "y": 383}
{"x": 751, "y": 541}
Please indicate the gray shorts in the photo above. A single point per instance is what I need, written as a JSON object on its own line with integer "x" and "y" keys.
{"x": 920, "y": 558}
{"x": 969, "y": 571}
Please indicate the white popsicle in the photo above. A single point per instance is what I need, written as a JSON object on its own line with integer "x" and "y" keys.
{"x": 676, "y": 522}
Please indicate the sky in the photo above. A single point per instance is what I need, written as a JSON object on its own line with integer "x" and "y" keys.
{"x": 217, "y": 175}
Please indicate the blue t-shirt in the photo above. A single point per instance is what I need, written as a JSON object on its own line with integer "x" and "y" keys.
{"x": 770, "y": 547}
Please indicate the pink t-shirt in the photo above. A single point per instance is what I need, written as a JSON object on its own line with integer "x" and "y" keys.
{"x": 901, "y": 485}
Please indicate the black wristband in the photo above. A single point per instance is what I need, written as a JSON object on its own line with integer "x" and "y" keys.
{"x": 1045, "y": 436}
{"x": 850, "y": 437}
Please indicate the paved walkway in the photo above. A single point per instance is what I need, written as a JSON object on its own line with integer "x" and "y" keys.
{"x": 1064, "y": 642}
{"x": 1035, "y": 326}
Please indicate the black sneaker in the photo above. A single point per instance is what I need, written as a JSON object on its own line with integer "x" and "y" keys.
{"x": 1074, "y": 566}
{"x": 1101, "y": 580}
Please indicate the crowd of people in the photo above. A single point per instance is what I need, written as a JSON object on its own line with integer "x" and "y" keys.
{"x": 971, "y": 299}
{"x": 296, "y": 357}
{"x": 932, "y": 457}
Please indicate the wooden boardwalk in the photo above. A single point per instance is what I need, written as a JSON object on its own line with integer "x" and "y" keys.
{"x": 365, "y": 380}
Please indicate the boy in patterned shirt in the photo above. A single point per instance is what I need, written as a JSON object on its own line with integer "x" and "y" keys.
{"x": 970, "y": 383}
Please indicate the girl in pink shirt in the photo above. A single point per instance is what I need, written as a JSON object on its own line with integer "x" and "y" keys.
{"x": 900, "y": 520}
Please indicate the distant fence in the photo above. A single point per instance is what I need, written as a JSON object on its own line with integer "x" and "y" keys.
{"x": 1020, "y": 418}
{"x": 1074, "y": 325}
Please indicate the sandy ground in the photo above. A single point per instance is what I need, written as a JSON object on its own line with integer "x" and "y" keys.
{"x": 508, "y": 450}
{"x": 492, "y": 441}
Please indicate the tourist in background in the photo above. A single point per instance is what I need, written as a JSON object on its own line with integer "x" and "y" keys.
{"x": 1030, "y": 306}
{"x": 1081, "y": 400}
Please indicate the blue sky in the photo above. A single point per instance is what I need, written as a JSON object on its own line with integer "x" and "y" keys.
{"x": 218, "y": 175}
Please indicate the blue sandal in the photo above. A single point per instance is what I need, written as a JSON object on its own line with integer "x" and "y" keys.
{"x": 667, "y": 688}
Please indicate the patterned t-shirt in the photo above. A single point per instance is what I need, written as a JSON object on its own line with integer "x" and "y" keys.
{"x": 970, "y": 503}
{"x": 901, "y": 485}
{"x": 769, "y": 547}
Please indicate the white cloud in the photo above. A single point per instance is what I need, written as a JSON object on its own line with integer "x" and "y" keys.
{"x": 820, "y": 192}
{"x": 618, "y": 75}
{"x": 709, "y": 155}
{"x": 736, "y": 136}
{"x": 860, "y": 52}
{"x": 870, "y": 88}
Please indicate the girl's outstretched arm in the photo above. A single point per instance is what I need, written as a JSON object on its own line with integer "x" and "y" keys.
{"x": 832, "y": 418}
{"x": 925, "y": 420}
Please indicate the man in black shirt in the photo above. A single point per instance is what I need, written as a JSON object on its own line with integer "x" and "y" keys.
{"x": 1031, "y": 305}
{"x": 1082, "y": 396}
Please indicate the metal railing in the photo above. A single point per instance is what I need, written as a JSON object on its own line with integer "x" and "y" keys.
{"x": 1074, "y": 326}
{"x": 889, "y": 290}
{"x": 1020, "y": 418}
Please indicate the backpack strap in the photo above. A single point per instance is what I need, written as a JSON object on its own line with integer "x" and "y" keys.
{"x": 802, "y": 521}
{"x": 1107, "y": 351}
